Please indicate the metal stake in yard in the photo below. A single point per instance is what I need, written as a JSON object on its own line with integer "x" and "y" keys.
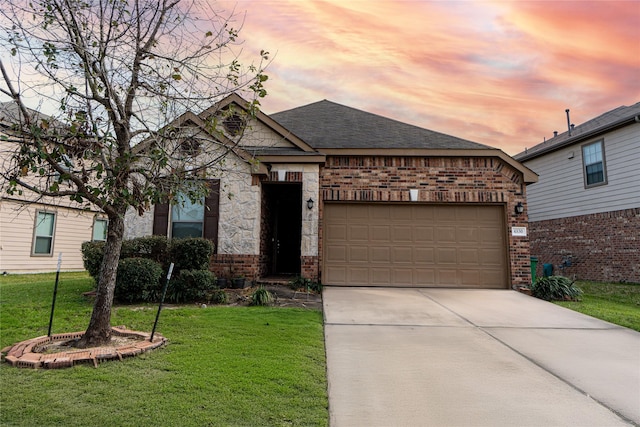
{"x": 55, "y": 292}
{"x": 164, "y": 292}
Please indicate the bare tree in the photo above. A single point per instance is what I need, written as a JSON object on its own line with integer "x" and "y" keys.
{"x": 118, "y": 72}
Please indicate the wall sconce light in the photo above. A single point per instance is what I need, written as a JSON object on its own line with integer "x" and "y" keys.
{"x": 310, "y": 203}
{"x": 519, "y": 208}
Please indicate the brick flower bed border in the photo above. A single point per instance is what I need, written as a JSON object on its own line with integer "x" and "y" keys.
{"x": 26, "y": 354}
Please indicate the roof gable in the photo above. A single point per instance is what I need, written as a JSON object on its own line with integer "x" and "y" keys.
{"x": 604, "y": 123}
{"x": 189, "y": 119}
{"x": 326, "y": 124}
{"x": 238, "y": 101}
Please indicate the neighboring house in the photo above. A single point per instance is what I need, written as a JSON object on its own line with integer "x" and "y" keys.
{"x": 33, "y": 230}
{"x": 584, "y": 212}
{"x": 347, "y": 197}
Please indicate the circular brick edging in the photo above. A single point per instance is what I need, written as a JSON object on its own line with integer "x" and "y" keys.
{"x": 26, "y": 354}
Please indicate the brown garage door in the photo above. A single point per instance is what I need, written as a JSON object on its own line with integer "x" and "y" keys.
{"x": 414, "y": 245}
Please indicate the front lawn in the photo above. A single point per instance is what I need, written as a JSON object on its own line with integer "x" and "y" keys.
{"x": 224, "y": 366}
{"x": 614, "y": 302}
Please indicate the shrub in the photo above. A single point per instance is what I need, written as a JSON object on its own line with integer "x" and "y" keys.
{"x": 155, "y": 248}
{"x": 191, "y": 254}
{"x": 92, "y": 254}
{"x": 136, "y": 279}
{"x": 301, "y": 283}
{"x": 151, "y": 247}
{"x": 555, "y": 288}
{"x": 261, "y": 296}
{"x": 192, "y": 279}
{"x": 217, "y": 296}
{"x": 190, "y": 286}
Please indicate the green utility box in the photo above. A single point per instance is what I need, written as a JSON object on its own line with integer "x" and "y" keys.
{"x": 534, "y": 267}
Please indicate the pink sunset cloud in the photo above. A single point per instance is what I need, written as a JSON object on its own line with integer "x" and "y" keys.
{"x": 499, "y": 73}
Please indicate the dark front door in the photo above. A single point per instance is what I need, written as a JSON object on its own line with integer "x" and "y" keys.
{"x": 285, "y": 210}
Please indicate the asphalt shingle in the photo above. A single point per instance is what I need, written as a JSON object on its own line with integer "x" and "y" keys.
{"x": 326, "y": 124}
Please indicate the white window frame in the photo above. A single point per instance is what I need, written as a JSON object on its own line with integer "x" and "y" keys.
{"x": 93, "y": 230}
{"x": 36, "y": 236}
{"x": 604, "y": 164}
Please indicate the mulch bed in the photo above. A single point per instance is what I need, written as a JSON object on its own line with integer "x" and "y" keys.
{"x": 57, "y": 351}
{"x": 283, "y": 295}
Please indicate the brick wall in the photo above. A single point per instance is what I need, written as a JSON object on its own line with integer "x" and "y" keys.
{"x": 439, "y": 180}
{"x": 603, "y": 247}
{"x": 309, "y": 267}
{"x": 230, "y": 266}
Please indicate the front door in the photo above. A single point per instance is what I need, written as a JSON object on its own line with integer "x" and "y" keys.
{"x": 284, "y": 205}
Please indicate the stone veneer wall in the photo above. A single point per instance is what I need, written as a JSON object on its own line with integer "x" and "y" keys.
{"x": 604, "y": 247}
{"x": 439, "y": 180}
{"x": 231, "y": 262}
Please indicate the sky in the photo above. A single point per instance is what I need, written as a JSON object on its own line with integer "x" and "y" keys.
{"x": 501, "y": 73}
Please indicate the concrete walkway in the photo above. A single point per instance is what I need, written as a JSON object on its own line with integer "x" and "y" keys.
{"x": 445, "y": 357}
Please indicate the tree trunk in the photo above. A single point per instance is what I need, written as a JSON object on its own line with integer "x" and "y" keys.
{"x": 99, "y": 330}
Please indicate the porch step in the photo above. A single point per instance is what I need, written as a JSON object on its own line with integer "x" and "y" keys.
{"x": 274, "y": 280}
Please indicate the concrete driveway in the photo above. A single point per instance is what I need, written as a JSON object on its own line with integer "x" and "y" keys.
{"x": 445, "y": 357}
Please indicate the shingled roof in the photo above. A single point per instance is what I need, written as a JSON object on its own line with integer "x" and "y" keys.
{"x": 328, "y": 125}
{"x": 606, "y": 122}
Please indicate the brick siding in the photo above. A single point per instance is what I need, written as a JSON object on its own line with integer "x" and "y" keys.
{"x": 439, "y": 180}
{"x": 309, "y": 267}
{"x": 229, "y": 266}
{"x": 604, "y": 247}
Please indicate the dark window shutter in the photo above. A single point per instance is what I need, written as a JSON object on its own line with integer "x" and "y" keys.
{"x": 161, "y": 219}
{"x": 211, "y": 212}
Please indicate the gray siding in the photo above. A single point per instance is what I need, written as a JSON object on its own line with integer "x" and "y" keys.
{"x": 560, "y": 190}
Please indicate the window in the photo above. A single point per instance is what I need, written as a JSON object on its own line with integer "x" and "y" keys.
{"x": 594, "y": 168}
{"x": 100, "y": 229}
{"x": 187, "y": 218}
{"x": 43, "y": 233}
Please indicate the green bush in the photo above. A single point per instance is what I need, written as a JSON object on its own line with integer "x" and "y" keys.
{"x": 190, "y": 286}
{"x": 192, "y": 280}
{"x": 261, "y": 296}
{"x": 191, "y": 254}
{"x": 137, "y": 279}
{"x": 151, "y": 247}
{"x": 155, "y": 248}
{"x": 555, "y": 288}
{"x": 92, "y": 254}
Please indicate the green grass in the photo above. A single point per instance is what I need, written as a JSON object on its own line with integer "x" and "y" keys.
{"x": 224, "y": 366}
{"x": 613, "y": 302}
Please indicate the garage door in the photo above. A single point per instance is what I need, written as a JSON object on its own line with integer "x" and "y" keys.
{"x": 414, "y": 245}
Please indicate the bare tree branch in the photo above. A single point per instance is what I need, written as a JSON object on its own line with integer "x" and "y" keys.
{"x": 119, "y": 72}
